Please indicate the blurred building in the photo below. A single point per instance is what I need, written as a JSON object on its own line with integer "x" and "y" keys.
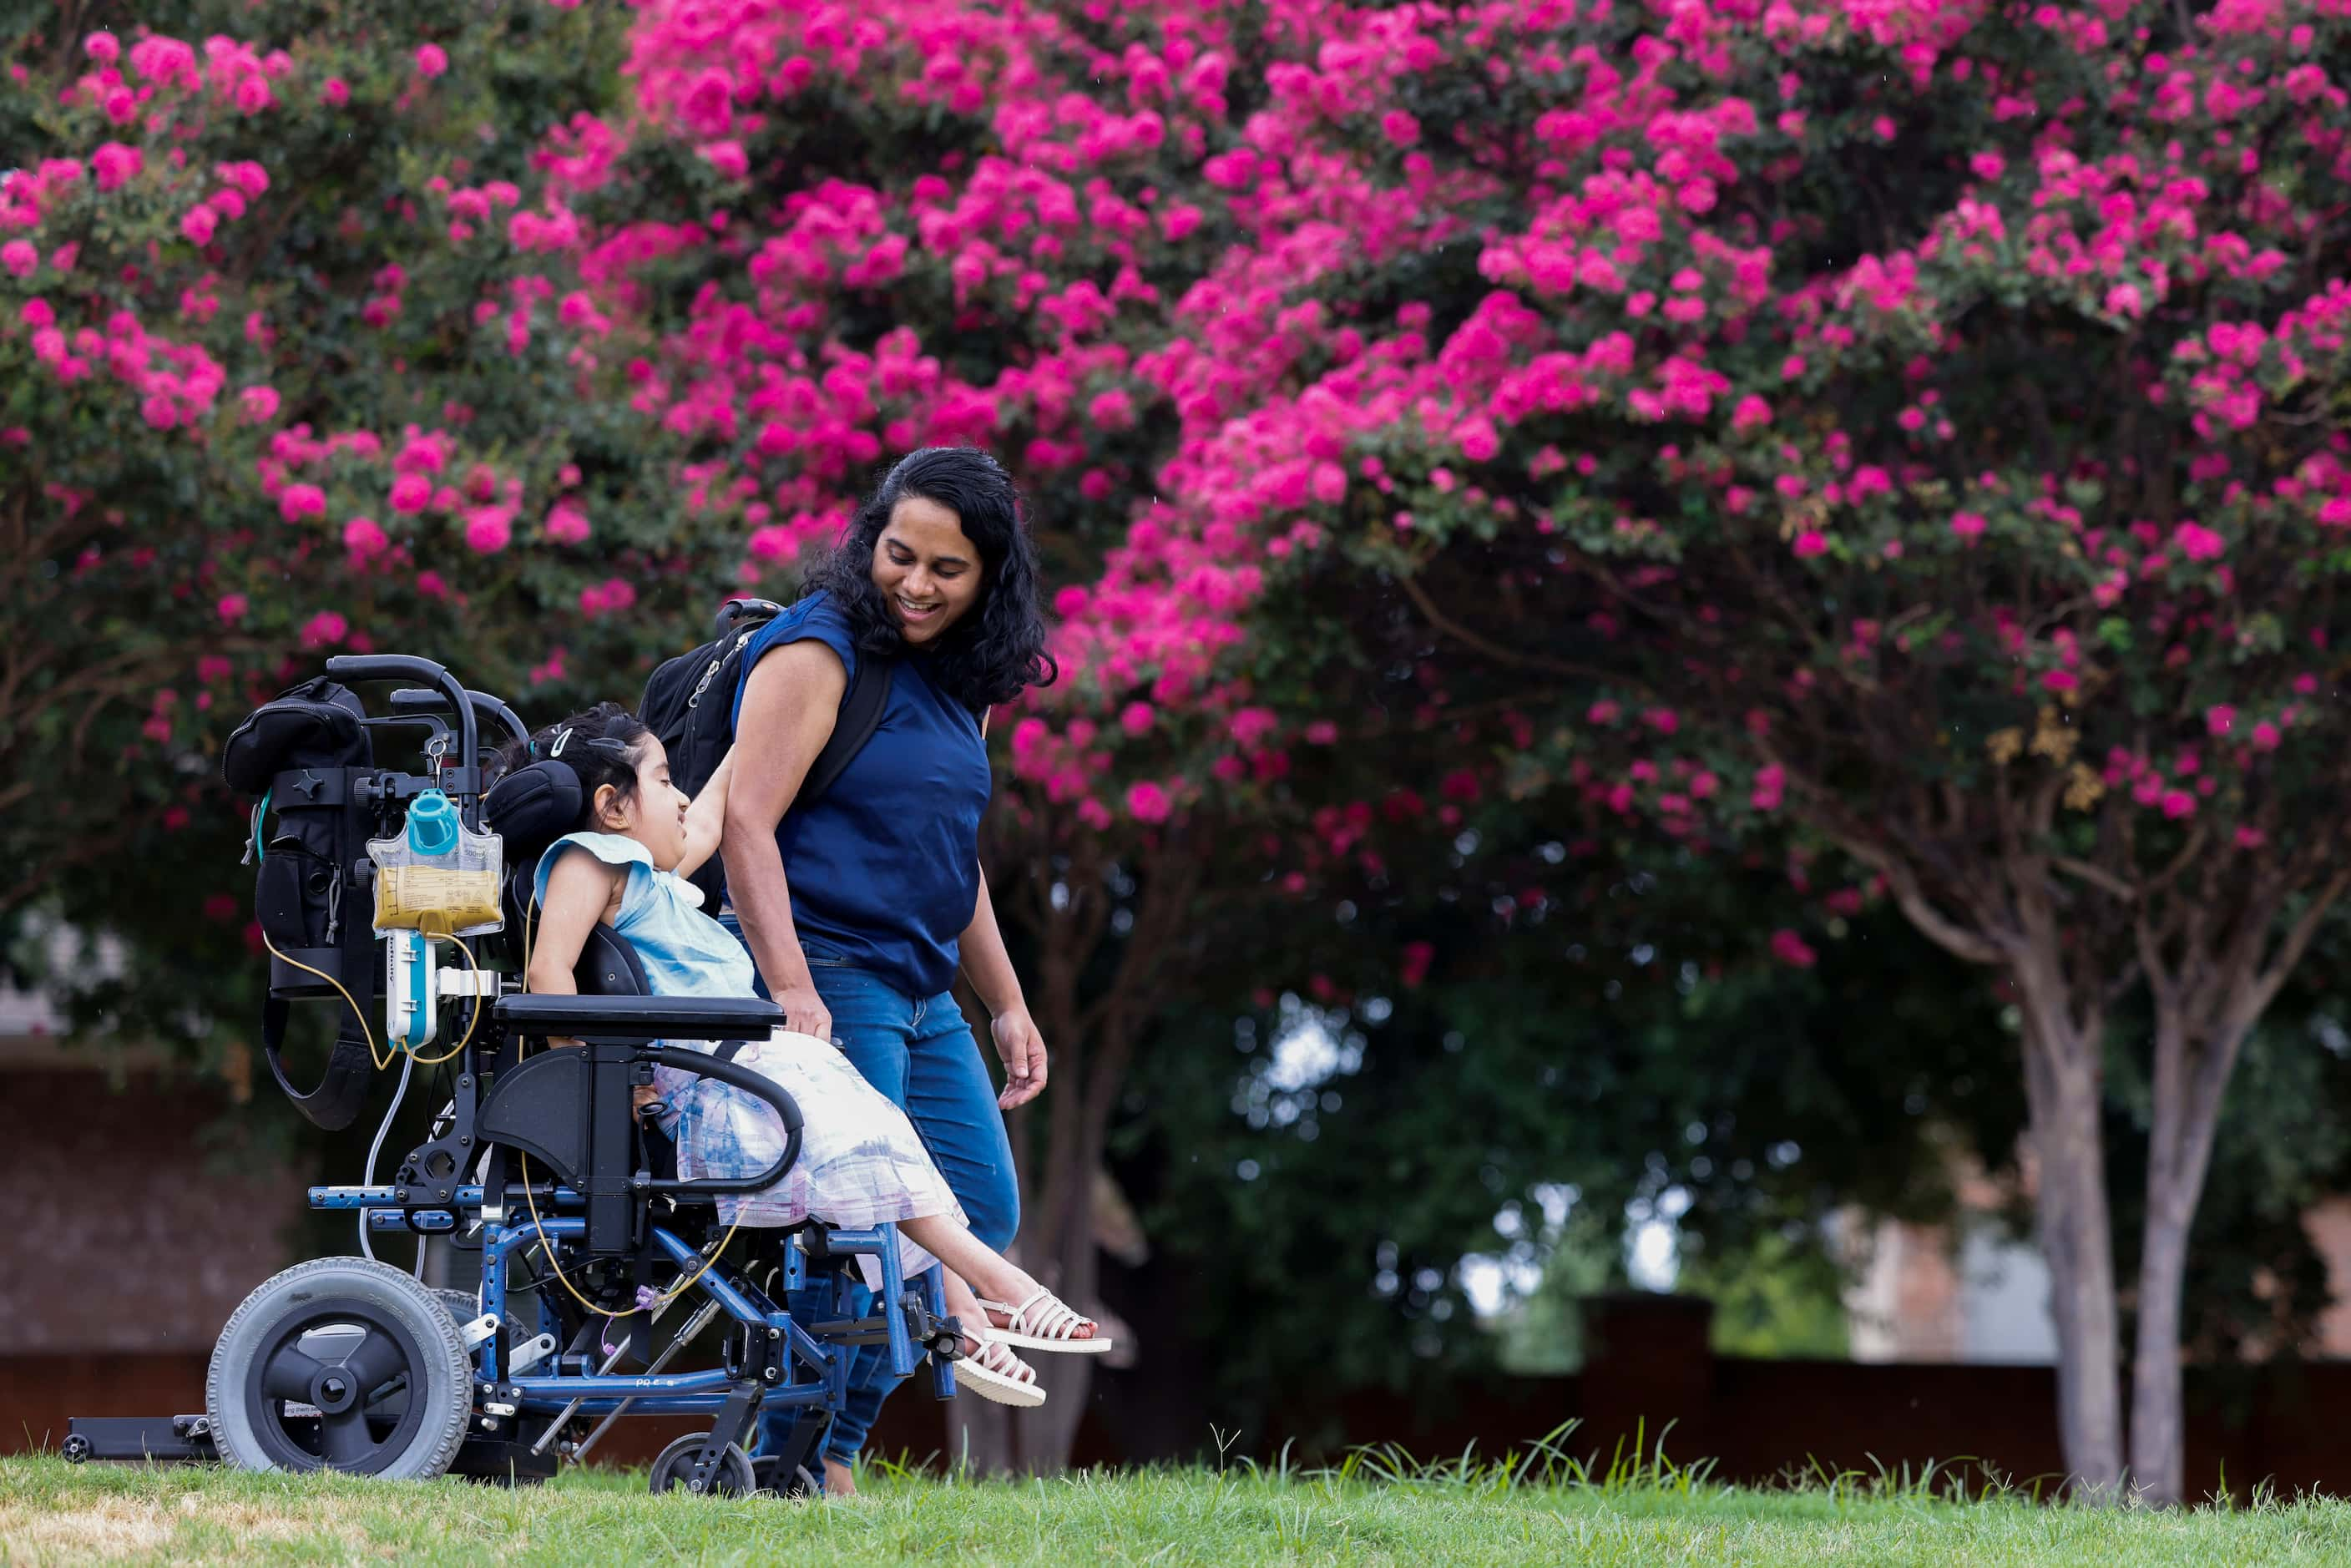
{"x": 1974, "y": 1291}
{"x": 1928, "y": 1294}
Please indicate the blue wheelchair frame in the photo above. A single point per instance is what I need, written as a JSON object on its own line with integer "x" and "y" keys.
{"x": 674, "y": 1393}
{"x": 587, "y": 1192}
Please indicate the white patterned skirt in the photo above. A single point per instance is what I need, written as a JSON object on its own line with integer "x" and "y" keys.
{"x": 860, "y": 1160}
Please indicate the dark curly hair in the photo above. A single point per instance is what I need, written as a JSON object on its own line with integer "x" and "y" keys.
{"x": 996, "y": 652}
{"x": 605, "y": 745}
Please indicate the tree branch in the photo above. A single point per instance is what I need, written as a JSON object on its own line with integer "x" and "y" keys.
{"x": 1511, "y": 657}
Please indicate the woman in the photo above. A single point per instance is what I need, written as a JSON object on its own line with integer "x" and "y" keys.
{"x": 622, "y": 864}
{"x": 859, "y": 907}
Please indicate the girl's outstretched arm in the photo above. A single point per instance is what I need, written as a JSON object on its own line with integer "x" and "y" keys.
{"x": 705, "y": 819}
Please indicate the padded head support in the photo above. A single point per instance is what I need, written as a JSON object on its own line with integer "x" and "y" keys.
{"x": 532, "y": 807}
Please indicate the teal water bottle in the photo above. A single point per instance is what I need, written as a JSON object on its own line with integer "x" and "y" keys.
{"x": 432, "y": 824}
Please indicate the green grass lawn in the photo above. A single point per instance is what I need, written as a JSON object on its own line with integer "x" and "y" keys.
{"x": 53, "y": 1513}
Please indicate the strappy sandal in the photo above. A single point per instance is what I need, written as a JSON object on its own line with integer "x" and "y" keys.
{"x": 1044, "y": 1322}
{"x": 996, "y": 1374}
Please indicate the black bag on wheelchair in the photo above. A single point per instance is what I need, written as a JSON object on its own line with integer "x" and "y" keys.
{"x": 689, "y": 703}
{"x": 299, "y": 754}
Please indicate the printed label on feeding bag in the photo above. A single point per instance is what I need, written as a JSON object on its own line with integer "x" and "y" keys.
{"x": 439, "y": 900}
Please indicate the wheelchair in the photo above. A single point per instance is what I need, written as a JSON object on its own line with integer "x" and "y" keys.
{"x": 592, "y": 1250}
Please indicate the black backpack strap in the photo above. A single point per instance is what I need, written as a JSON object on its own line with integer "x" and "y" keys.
{"x": 860, "y": 716}
{"x": 342, "y": 1088}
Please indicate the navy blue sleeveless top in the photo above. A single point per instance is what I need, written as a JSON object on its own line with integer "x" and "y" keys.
{"x": 884, "y": 868}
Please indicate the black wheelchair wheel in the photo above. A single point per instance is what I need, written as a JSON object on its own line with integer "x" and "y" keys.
{"x": 731, "y": 1477}
{"x": 341, "y": 1365}
{"x": 463, "y": 1306}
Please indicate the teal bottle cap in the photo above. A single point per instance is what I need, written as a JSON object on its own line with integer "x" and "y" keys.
{"x": 432, "y": 823}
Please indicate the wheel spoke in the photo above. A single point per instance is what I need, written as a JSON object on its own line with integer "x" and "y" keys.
{"x": 289, "y": 1374}
{"x": 346, "y": 1439}
{"x": 393, "y": 1390}
{"x": 375, "y": 1360}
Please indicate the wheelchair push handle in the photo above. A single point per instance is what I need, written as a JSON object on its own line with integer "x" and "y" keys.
{"x": 427, "y": 700}
{"x": 356, "y": 667}
{"x": 754, "y": 1083}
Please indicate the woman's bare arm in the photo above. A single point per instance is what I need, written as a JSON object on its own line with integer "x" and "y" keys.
{"x": 988, "y": 967}
{"x": 789, "y": 705}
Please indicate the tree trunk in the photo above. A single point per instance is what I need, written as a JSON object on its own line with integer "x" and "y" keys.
{"x": 2206, "y": 1004}
{"x": 1092, "y": 1025}
{"x": 1047, "y": 1435}
{"x": 2158, "y": 1413}
{"x": 1057, "y": 1148}
{"x": 2190, "y": 1084}
{"x": 2063, "y": 1085}
{"x": 1058, "y": 1246}
{"x": 2172, "y": 1190}
{"x": 979, "y": 1436}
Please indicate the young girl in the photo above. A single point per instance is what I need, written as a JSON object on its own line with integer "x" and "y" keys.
{"x": 861, "y": 1161}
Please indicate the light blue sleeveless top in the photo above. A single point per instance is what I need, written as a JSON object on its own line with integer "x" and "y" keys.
{"x": 685, "y": 952}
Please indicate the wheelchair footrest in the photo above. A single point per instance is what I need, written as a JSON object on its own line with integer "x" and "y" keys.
{"x": 165, "y": 1440}
{"x": 851, "y": 1331}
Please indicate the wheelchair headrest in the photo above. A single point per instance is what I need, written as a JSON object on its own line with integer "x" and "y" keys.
{"x": 532, "y": 807}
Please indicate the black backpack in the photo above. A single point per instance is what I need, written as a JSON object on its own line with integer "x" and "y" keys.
{"x": 301, "y": 754}
{"x": 689, "y": 702}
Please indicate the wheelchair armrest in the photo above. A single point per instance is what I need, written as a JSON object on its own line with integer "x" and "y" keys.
{"x": 639, "y": 1020}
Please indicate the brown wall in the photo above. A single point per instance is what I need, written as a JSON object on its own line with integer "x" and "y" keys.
{"x": 133, "y": 1227}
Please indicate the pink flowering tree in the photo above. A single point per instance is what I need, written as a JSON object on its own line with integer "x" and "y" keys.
{"x": 1897, "y": 436}
{"x": 1908, "y": 435}
{"x": 300, "y": 359}
{"x": 423, "y": 339}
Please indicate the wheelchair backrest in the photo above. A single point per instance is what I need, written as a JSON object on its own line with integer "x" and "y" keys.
{"x": 308, "y": 758}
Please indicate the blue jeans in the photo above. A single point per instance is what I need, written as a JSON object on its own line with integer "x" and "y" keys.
{"x": 920, "y": 1054}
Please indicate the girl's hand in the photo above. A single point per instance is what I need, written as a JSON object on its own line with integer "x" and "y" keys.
{"x": 804, "y": 1011}
{"x": 1023, "y": 1051}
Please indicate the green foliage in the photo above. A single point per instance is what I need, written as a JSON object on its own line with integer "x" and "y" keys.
{"x": 1347, "y": 1159}
{"x": 1782, "y": 1298}
{"x": 1541, "y": 1333}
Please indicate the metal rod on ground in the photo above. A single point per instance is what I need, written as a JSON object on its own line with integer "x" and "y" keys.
{"x": 694, "y": 1325}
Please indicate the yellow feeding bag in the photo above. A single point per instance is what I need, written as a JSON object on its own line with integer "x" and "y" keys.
{"x": 439, "y": 877}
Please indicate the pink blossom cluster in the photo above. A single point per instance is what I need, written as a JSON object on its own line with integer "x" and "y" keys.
{"x": 1214, "y": 334}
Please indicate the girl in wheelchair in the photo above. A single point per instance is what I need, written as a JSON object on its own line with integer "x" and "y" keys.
{"x": 624, "y": 864}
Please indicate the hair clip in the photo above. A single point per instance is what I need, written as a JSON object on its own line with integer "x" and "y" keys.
{"x": 561, "y": 737}
{"x": 605, "y": 746}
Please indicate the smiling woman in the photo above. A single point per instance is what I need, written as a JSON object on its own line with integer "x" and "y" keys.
{"x": 860, "y": 904}
{"x": 926, "y": 568}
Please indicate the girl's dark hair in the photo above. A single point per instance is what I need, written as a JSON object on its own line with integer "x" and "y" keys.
{"x": 604, "y": 745}
{"x": 997, "y": 650}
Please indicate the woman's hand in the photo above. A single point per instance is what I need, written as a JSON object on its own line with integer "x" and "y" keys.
{"x": 804, "y": 1011}
{"x": 1023, "y": 1051}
